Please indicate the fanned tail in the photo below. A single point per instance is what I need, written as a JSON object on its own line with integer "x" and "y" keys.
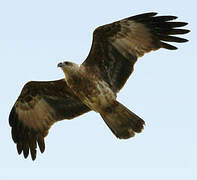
{"x": 122, "y": 122}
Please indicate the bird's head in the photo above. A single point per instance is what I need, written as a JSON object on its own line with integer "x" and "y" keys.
{"x": 68, "y": 67}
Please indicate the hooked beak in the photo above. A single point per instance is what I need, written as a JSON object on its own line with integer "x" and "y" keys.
{"x": 60, "y": 64}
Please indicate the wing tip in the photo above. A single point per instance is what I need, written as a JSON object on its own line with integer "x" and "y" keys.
{"x": 41, "y": 143}
{"x": 173, "y": 17}
{"x": 142, "y": 16}
{"x": 25, "y": 150}
{"x": 168, "y": 46}
{"x": 19, "y": 148}
{"x": 33, "y": 154}
{"x": 185, "y": 23}
{"x": 24, "y": 142}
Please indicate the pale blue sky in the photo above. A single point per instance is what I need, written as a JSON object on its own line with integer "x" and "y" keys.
{"x": 36, "y": 35}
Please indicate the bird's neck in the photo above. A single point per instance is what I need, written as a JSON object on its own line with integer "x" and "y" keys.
{"x": 73, "y": 76}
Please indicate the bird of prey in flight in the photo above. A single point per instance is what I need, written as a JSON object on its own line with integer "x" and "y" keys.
{"x": 94, "y": 84}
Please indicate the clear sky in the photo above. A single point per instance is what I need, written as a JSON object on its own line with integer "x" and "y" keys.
{"x": 36, "y": 35}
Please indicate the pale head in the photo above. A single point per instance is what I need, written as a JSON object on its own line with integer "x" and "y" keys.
{"x": 68, "y": 67}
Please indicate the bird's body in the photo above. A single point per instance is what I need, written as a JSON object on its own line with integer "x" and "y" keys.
{"x": 98, "y": 96}
{"x": 89, "y": 88}
{"x": 95, "y": 83}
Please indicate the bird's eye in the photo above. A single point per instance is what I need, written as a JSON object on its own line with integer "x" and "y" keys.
{"x": 66, "y": 63}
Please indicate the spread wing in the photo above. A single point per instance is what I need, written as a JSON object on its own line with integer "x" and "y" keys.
{"x": 39, "y": 105}
{"x": 117, "y": 46}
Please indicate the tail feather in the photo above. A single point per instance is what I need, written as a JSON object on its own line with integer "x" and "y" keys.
{"x": 122, "y": 122}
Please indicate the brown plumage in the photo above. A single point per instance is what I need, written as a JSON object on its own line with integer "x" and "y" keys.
{"x": 95, "y": 83}
{"x": 38, "y": 107}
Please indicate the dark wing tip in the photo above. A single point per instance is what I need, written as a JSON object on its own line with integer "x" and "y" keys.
{"x": 25, "y": 150}
{"x": 168, "y": 46}
{"x": 41, "y": 143}
{"x": 164, "y": 18}
{"x": 33, "y": 154}
{"x": 19, "y": 148}
{"x": 177, "y": 24}
{"x": 26, "y": 139}
{"x": 172, "y": 39}
{"x": 175, "y": 31}
{"x": 142, "y": 16}
{"x": 162, "y": 27}
{"x": 185, "y": 31}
